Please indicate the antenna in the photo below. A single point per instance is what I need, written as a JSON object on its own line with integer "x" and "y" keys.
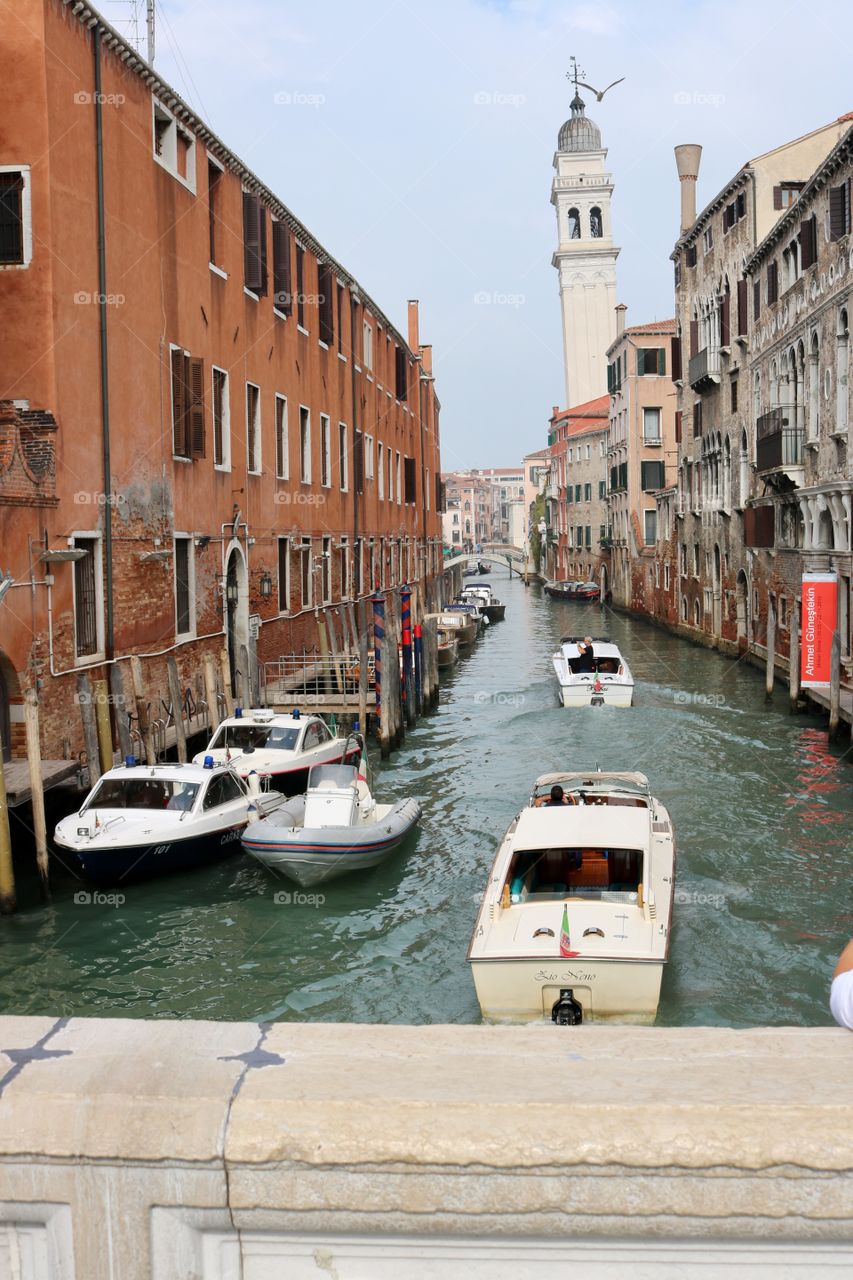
{"x": 576, "y": 72}
{"x": 129, "y": 24}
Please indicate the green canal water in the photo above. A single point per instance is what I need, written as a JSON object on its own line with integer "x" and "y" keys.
{"x": 762, "y": 810}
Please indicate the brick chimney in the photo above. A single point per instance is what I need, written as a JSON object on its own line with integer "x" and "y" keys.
{"x": 620, "y": 319}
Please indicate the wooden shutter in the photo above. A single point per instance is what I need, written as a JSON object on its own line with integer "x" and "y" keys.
{"x": 772, "y": 282}
{"x": 179, "y": 406}
{"x": 756, "y": 299}
{"x": 254, "y": 244}
{"x": 676, "y": 357}
{"x": 281, "y": 273}
{"x": 808, "y": 242}
{"x": 725, "y": 320}
{"x": 661, "y": 361}
{"x": 358, "y": 462}
{"x": 694, "y": 337}
{"x": 690, "y": 255}
{"x": 195, "y": 427}
{"x": 641, "y": 362}
{"x": 777, "y": 197}
{"x": 326, "y": 304}
{"x": 678, "y": 421}
{"x": 697, "y": 418}
{"x": 742, "y": 302}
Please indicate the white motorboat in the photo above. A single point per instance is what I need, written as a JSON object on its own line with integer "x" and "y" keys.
{"x": 482, "y": 595}
{"x": 576, "y": 918}
{"x": 458, "y": 625}
{"x": 335, "y": 828}
{"x": 144, "y": 820}
{"x": 602, "y": 678}
{"x": 281, "y": 746}
{"x": 448, "y": 648}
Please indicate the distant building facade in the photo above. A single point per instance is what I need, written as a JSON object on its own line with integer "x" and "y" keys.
{"x": 577, "y": 493}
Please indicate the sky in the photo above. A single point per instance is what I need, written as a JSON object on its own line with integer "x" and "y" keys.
{"x": 416, "y": 142}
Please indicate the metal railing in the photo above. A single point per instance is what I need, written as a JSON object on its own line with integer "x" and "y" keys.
{"x": 704, "y": 366}
{"x": 301, "y": 677}
{"x": 778, "y": 444}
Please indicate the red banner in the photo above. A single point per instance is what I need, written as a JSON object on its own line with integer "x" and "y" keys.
{"x": 820, "y": 614}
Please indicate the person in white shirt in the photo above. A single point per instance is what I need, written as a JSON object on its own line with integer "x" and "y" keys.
{"x": 841, "y": 991}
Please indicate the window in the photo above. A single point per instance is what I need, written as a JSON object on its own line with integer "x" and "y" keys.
{"x": 368, "y": 458}
{"x": 343, "y": 457}
{"x": 596, "y": 229}
{"x": 367, "y": 345}
{"x": 651, "y": 361}
{"x": 587, "y": 536}
{"x": 389, "y": 457}
{"x": 284, "y": 575}
{"x": 690, "y": 255}
{"x": 326, "y": 570}
{"x": 174, "y": 146}
{"x": 16, "y": 240}
{"x": 808, "y": 242}
{"x": 399, "y": 486}
{"x": 304, "y": 444}
{"x": 214, "y": 176}
{"x": 733, "y": 395}
{"x": 340, "y": 296}
{"x": 254, "y": 244}
{"x": 222, "y": 790}
{"x": 184, "y": 584}
{"x": 839, "y": 211}
{"x": 772, "y": 282}
{"x": 282, "y": 283}
{"x": 325, "y": 451}
{"x": 300, "y": 286}
{"x": 842, "y": 370}
{"x": 666, "y": 576}
{"x": 88, "y": 602}
{"x": 587, "y": 493}
{"x": 574, "y": 225}
{"x": 326, "y": 303}
{"x": 409, "y": 481}
{"x": 358, "y": 461}
{"x": 602, "y": 488}
{"x": 697, "y": 613}
{"x": 651, "y": 476}
{"x": 651, "y": 426}
{"x": 282, "y": 444}
{"x": 253, "y": 429}
{"x": 187, "y": 405}
{"x": 305, "y": 572}
{"x": 379, "y": 468}
{"x": 695, "y": 559}
{"x": 221, "y": 420}
{"x": 783, "y": 612}
{"x": 708, "y": 239}
{"x": 358, "y": 564}
{"x": 786, "y": 193}
{"x": 401, "y": 373}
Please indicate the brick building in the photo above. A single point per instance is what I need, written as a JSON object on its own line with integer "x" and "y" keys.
{"x": 209, "y": 431}
{"x": 799, "y": 515}
{"x": 577, "y": 493}
{"x": 641, "y": 452}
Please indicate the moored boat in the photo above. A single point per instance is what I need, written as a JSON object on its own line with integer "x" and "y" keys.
{"x": 281, "y": 745}
{"x": 576, "y": 917}
{"x": 335, "y": 828}
{"x": 592, "y": 674}
{"x": 145, "y": 820}
{"x": 448, "y": 647}
{"x": 460, "y": 625}
{"x": 483, "y": 596}
{"x": 561, "y": 590}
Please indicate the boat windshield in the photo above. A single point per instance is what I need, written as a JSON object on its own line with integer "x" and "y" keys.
{"x": 610, "y": 875}
{"x": 142, "y": 793}
{"x": 337, "y": 777}
{"x": 250, "y": 737}
{"x": 598, "y": 666}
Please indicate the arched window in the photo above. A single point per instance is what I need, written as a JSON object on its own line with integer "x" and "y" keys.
{"x": 697, "y": 613}
{"x": 574, "y": 225}
{"x": 756, "y": 395}
{"x": 744, "y": 469}
{"x": 727, "y": 472}
{"x": 596, "y": 229}
{"x": 798, "y": 369}
{"x": 842, "y": 365}
{"x": 774, "y": 385}
{"x": 814, "y": 388}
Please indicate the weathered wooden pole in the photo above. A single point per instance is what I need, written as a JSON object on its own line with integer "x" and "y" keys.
{"x": 7, "y": 871}
{"x": 378, "y": 655}
{"x": 227, "y": 693}
{"x": 333, "y": 642}
{"x": 324, "y": 649}
{"x": 362, "y": 667}
{"x": 122, "y": 719}
{"x": 143, "y": 713}
{"x": 386, "y": 728}
{"x": 794, "y": 664}
{"x": 210, "y": 693}
{"x": 177, "y": 701}
{"x": 102, "y": 720}
{"x": 418, "y": 641}
{"x": 245, "y": 677}
{"x": 31, "y": 719}
{"x": 86, "y": 704}
{"x": 834, "y": 686}
{"x": 771, "y": 653}
{"x": 407, "y": 682}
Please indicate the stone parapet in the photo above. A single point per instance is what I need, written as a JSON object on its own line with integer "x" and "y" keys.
{"x": 174, "y": 1149}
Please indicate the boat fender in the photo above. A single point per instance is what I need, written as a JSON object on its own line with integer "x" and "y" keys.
{"x": 253, "y": 782}
{"x": 567, "y": 1011}
{"x": 252, "y": 812}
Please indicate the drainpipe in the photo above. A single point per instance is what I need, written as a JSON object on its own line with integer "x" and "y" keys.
{"x": 102, "y": 324}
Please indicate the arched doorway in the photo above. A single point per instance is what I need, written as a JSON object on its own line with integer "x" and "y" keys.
{"x": 237, "y": 619}
{"x": 10, "y": 695}
{"x": 742, "y": 600}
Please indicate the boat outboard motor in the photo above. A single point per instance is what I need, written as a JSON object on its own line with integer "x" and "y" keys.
{"x": 566, "y": 1011}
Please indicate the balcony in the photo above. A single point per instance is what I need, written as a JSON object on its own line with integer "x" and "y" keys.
{"x": 552, "y": 491}
{"x": 704, "y": 369}
{"x": 779, "y": 446}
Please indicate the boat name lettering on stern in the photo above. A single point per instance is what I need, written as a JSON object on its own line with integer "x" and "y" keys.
{"x": 545, "y": 975}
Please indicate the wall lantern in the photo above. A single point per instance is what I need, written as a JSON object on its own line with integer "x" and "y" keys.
{"x": 266, "y": 586}
{"x": 231, "y": 592}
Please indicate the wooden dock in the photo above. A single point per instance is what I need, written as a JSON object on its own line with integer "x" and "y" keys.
{"x": 53, "y": 772}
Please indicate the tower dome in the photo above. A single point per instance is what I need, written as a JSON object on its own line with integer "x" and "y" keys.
{"x": 579, "y": 133}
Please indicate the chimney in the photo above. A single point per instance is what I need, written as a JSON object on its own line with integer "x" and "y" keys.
{"x": 414, "y": 336}
{"x": 620, "y": 319}
{"x": 687, "y": 158}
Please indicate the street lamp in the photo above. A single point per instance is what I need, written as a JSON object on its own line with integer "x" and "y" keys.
{"x": 266, "y": 586}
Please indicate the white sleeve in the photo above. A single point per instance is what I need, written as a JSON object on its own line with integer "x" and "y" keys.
{"x": 841, "y": 999}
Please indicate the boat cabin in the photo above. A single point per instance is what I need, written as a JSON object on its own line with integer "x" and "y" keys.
{"x": 156, "y": 788}
{"x": 332, "y": 796}
{"x": 269, "y": 731}
{"x": 609, "y": 874}
{"x": 606, "y": 660}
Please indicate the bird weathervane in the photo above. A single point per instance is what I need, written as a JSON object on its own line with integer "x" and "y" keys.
{"x": 575, "y": 77}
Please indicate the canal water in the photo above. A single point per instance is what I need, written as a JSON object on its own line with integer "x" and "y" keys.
{"x": 762, "y": 810}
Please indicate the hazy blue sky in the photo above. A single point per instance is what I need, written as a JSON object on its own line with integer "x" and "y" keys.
{"x": 416, "y": 141}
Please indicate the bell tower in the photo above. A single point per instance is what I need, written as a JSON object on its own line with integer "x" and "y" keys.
{"x": 585, "y": 257}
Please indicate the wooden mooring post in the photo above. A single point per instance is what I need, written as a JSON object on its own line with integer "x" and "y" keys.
{"x": 362, "y": 667}
{"x": 210, "y": 693}
{"x": 7, "y": 871}
{"x": 771, "y": 653}
{"x": 31, "y": 718}
{"x": 225, "y": 666}
{"x": 122, "y": 719}
{"x": 104, "y": 727}
{"x": 177, "y": 708}
{"x": 143, "y": 713}
{"x": 86, "y": 703}
{"x": 794, "y": 664}
{"x": 834, "y": 686}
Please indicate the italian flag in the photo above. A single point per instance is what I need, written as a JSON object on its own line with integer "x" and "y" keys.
{"x": 565, "y": 937}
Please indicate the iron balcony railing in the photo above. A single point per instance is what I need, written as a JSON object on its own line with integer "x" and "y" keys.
{"x": 778, "y": 444}
{"x": 704, "y": 367}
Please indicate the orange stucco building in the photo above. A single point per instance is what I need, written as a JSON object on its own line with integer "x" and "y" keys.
{"x": 204, "y": 418}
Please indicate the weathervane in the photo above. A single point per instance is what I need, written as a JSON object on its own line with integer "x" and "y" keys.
{"x": 577, "y": 71}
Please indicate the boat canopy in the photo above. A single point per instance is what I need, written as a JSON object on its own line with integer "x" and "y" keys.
{"x": 332, "y": 777}
{"x": 582, "y": 826}
{"x": 576, "y": 780}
